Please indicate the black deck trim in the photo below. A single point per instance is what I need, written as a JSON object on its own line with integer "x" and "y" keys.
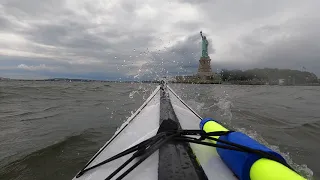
{"x": 176, "y": 159}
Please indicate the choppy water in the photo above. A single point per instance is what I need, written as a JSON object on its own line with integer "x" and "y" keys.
{"x": 49, "y": 130}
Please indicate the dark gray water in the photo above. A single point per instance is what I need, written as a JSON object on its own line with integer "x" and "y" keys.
{"x": 49, "y": 130}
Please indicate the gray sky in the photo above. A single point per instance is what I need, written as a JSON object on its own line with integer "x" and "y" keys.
{"x": 124, "y": 39}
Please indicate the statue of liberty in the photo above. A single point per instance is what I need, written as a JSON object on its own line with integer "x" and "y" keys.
{"x": 205, "y": 44}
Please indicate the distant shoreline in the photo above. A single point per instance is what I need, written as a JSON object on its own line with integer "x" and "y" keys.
{"x": 245, "y": 84}
{"x": 76, "y": 80}
{"x": 266, "y": 76}
{"x": 248, "y": 83}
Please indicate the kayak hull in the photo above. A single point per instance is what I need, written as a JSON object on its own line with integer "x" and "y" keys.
{"x": 143, "y": 124}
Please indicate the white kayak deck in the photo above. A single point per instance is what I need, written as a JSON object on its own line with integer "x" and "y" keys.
{"x": 143, "y": 124}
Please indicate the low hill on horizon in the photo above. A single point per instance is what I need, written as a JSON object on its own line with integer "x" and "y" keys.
{"x": 271, "y": 75}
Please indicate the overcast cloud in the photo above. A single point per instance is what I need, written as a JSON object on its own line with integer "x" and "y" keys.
{"x": 124, "y": 39}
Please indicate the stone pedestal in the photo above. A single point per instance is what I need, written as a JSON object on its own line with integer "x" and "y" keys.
{"x": 204, "y": 68}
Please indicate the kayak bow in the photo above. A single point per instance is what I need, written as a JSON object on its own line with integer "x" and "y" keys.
{"x": 162, "y": 140}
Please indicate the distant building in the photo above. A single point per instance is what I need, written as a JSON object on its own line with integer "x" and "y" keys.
{"x": 281, "y": 82}
{"x": 4, "y": 79}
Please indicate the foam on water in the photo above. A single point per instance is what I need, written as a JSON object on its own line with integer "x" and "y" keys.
{"x": 222, "y": 107}
{"x": 131, "y": 95}
{"x": 197, "y": 106}
{"x": 301, "y": 169}
{"x": 225, "y": 106}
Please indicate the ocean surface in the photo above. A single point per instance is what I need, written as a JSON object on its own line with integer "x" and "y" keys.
{"x": 49, "y": 130}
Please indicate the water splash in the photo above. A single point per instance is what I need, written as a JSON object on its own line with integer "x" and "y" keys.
{"x": 301, "y": 169}
{"x": 224, "y": 105}
{"x": 197, "y": 106}
{"x": 131, "y": 95}
{"x": 218, "y": 103}
{"x": 136, "y": 76}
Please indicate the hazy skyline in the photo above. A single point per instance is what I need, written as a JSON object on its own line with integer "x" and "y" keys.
{"x": 120, "y": 39}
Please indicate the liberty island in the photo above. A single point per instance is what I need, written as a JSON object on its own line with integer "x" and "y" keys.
{"x": 204, "y": 74}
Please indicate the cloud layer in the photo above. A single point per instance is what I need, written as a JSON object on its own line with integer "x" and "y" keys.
{"x": 146, "y": 39}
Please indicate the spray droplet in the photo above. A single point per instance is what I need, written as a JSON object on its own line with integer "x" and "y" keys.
{"x": 132, "y": 94}
{"x": 136, "y": 76}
